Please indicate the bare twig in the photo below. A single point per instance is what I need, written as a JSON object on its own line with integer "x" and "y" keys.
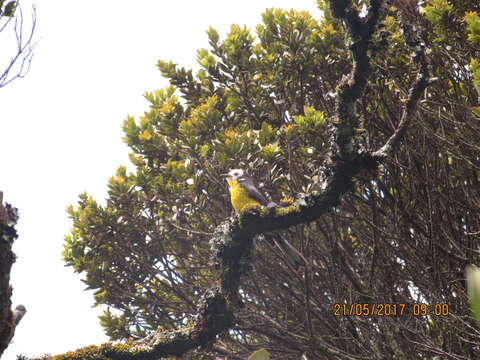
{"x": 19, "y": 64}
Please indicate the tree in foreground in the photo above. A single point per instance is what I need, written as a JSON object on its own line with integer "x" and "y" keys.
{"x": 377, "y": 162}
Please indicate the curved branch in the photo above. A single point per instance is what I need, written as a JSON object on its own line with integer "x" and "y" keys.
{"x": 352, "y": 86}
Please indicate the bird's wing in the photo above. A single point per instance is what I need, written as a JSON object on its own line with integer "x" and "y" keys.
{"x": 253, "y": 192}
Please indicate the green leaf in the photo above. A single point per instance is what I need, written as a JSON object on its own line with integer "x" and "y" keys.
{"x": 436, "y": 10}
{"x": 475, "y": 69}
{"x": 266, "y": 134}
{"x": 270, "y": 151}
{"x": 473, "y": 26}
{"x": 260, "y": 355}
{"x": 213, "y": 37}
{"x": 476, "y": 111}
{"x": 473, "y": 285}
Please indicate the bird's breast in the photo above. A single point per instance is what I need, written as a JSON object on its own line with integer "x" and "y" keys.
{"x": 241, "y": 201}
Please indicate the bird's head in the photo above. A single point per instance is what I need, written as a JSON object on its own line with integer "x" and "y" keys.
{"x": 235, "y": 175}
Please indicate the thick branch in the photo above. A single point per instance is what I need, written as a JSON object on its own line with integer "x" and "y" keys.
{"x": 8, "y": 234}
{"x": 322, "y": 199}
{"x": 353, "y": 85}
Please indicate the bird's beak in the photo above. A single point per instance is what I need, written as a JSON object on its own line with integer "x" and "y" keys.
{"x": 224, "y": 175}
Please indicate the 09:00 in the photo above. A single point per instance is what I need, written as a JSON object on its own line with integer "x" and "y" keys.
{"x": 425, "y": 309}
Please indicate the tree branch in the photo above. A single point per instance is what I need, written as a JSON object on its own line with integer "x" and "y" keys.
{"x": 21, "y": 61}
{"x": 8, "y": 319}
{"x": 353, "y": 85}
{"x": 422, "y": 81}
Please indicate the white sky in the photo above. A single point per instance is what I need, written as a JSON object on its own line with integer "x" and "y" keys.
{"x": 60, "y": 134}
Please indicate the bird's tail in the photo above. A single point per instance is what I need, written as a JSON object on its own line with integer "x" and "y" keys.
{"x": 293, "y": 256}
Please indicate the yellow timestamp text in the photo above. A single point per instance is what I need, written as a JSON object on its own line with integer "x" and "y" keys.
{"x": 386, "y": 309}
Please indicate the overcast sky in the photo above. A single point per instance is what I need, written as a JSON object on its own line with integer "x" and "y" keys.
{"x": 60, "y": 134}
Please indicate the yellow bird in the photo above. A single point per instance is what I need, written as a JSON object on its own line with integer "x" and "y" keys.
{"x": 244, "y": 195}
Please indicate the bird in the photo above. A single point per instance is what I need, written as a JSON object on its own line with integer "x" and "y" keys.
{"x": 244, "y": 195}
{"x": 18, "y": 313}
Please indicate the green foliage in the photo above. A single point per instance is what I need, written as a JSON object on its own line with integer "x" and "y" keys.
{"x": 437, "y": 10}
{"x": 473, "y": 283}
{"x": 473, "y": 28}
{"x": 260, "y": 355}
{"x": 312, "y": 121}
{"x": 475, "y": 68}
{"x": 114, "y": 325}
